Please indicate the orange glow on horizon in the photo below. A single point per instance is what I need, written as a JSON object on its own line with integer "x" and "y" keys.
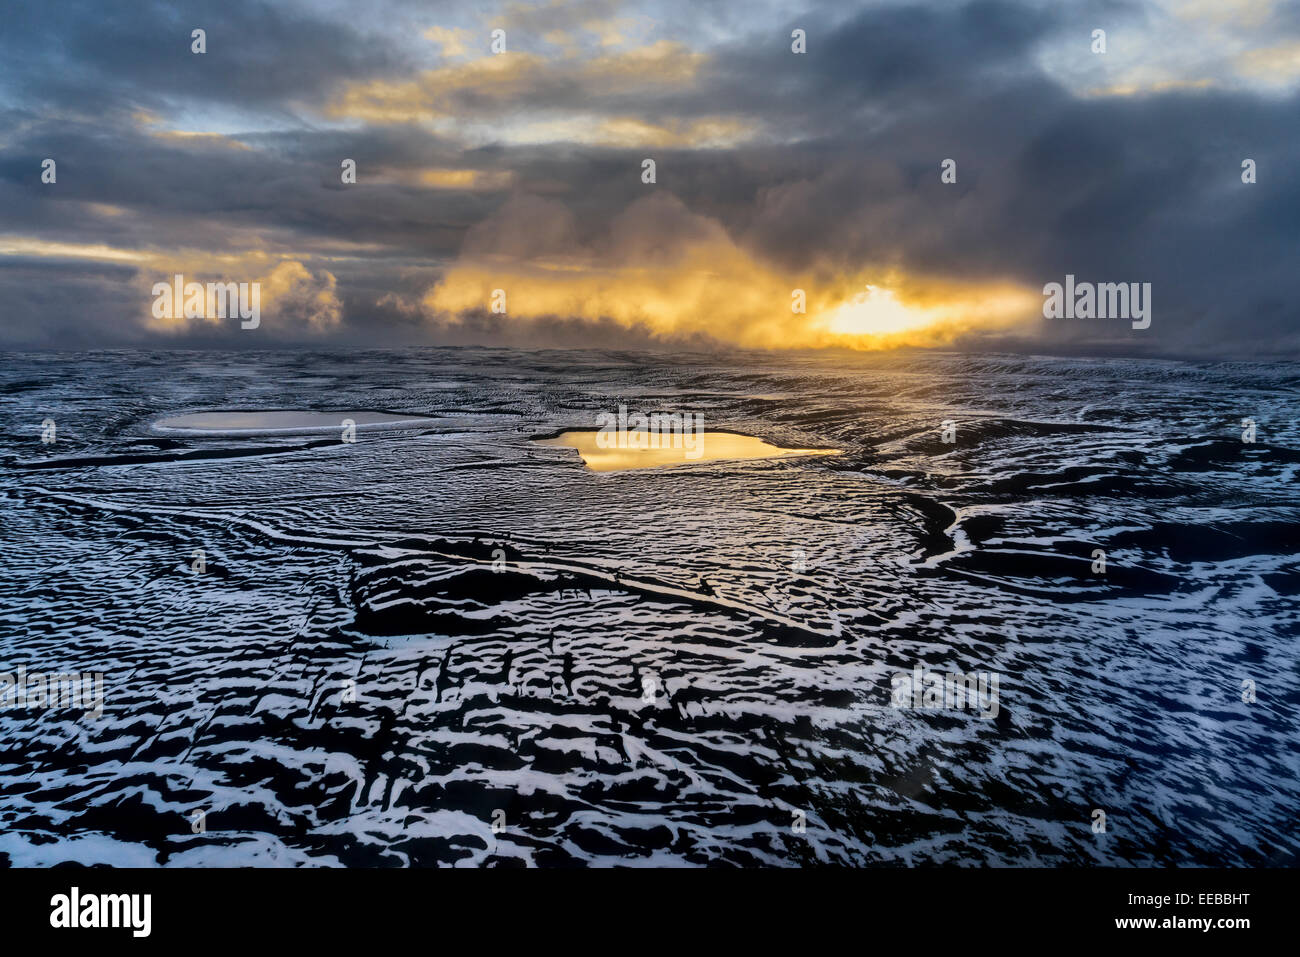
{"x": 737, "y": 301}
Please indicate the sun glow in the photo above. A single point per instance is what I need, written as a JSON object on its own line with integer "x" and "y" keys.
{"x": 738, "y": 302}
{"x": 877, "y": 311}
{"x": 676, "y": 275}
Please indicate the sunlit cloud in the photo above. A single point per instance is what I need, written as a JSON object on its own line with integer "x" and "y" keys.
{"x": 776, "y": 171}
{"x": 22, "y": 246}
{"x": 629, "y": 132}
{"x": 1277, "y": 65}
{"x": 293, "y": 297}
{"x": 677, "y": 275}
{"x": 495, "y": 85}
{"x": 453, "y": 42}
{"x": 152, "y": 124}
{"x": 470, "y": 179}
{"x": 196, "y": 138}
{"x": 1177, "y": 46}
{"x": 105, "y": 210}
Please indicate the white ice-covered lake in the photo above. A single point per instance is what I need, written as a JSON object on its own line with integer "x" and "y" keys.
{"x": 286, "y": 421}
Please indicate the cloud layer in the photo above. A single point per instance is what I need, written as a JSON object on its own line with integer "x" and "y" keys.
{"x": 774, "y": 172}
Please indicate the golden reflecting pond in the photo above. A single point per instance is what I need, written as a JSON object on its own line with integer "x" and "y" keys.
{"x": 644, "y": 450}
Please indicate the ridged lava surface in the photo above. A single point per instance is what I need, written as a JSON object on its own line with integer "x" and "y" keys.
{"x": 398, "y": 640}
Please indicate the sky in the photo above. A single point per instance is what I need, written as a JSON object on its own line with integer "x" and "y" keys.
{"x": 774, "y": 171}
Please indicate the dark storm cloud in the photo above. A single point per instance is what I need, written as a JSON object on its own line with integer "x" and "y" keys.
{"x": 842, "y": 169}
{"x": 1145, "y": 188}
{"x": 538, "y": 18}
{"x": 91, "y": 56}
{"x": 194, "y": 193}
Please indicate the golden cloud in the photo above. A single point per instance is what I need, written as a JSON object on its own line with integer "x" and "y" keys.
{"x": 679, "y": 275}
{"x": 292, "y": 296}
{"x": 627, "y": 132}
{"x": 11, "y": 245}
{"x": 493, "y": 84}
{"x": 452, "y": 41}
{"x": 467, "y": 179}
{"x": 1278, "y": 65}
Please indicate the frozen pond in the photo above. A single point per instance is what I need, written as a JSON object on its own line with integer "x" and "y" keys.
{"x": 285, "y": 421}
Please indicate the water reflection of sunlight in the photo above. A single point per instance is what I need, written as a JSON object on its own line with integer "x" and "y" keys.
{"x": 600, "y": 453}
